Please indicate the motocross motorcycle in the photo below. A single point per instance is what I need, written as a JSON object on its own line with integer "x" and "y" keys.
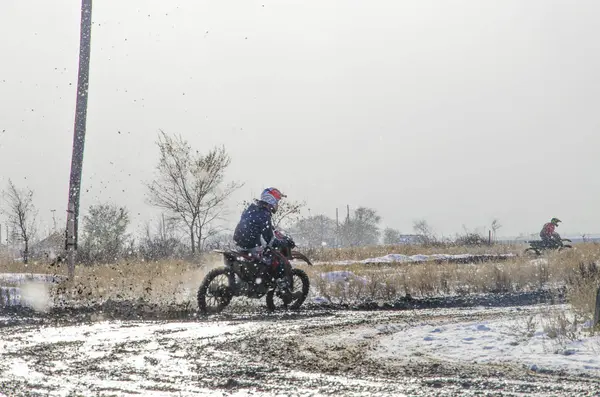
{"x": 536, "y": 247}
{"x": 245, "y": 275}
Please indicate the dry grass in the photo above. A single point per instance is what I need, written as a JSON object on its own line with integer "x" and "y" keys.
{"x": 160, "y": 283}
{"x": 177, "y": 281}
{"x": 576, "y": 269}
{"x": 389, "y": 281}
{"x": 559, "y": 327}
{"x": 360, "y": 253}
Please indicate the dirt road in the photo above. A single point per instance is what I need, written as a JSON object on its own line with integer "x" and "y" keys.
{"x": 305, "y": 354}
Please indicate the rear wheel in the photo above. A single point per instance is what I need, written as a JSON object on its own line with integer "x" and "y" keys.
{"x": 215, "y": 292}
{"x": 300, "y": 283}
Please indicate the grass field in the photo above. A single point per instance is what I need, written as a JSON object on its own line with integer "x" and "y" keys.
{"x": 176, "y": 281}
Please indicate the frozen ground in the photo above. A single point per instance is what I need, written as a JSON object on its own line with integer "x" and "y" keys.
{"x": 481, "y": 345}
{"x": 435, "y": 352}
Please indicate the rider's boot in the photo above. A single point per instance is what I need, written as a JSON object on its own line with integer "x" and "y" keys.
{"x": 286, "y": 294}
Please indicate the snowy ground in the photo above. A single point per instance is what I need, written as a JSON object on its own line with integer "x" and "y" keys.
{"x": 443, "y": 351}
{"x": 467, "y": 352}
{"x": 511, "y": 339}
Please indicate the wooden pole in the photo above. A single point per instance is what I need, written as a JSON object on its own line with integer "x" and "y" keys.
{"x": 79, "y": 133}
{"x": 597, "y": 311}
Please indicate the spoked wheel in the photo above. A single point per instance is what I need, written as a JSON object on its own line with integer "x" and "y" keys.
{"x": 565, "y": 247}
{"x": 300, "y": 283}
{"x": 215, "y": 292}
{"x": 532, "y": 252}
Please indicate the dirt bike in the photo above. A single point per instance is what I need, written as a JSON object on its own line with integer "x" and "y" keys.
{"x": 245, "y": 275}
{"x": 538, "y": 246}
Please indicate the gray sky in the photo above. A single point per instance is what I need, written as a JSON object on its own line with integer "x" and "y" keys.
{"x": 453, "y": 111}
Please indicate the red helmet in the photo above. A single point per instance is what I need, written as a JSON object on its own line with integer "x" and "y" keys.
{"x": 271, "y": 196}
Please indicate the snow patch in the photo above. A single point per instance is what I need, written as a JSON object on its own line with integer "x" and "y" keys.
{"x": 496, "y": 341}
{"x": 342, "y": 276}
{"x": 399, "y": 258}
{"x": 23, "y": 278}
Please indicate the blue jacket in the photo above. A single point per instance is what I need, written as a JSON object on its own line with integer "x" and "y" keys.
{"x": 254, "y": 223}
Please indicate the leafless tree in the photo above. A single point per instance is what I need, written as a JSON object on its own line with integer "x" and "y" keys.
{"x": 190, "y": 185}
{"x": 315, "y": 231}
{"x": 162, "y": 242}
{"x": 362, "y": 229}
{"x": 391, "y": 236}
{"x": 288, "y": 213}
{"x": 21, "y": 214}
{"x": 105, "y": 235}
{"x": 424, "y": 232}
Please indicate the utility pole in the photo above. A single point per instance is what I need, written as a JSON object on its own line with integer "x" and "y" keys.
{"x": 79, "y": 133}
{"x": 53, "y": 219}
{"x": 337, "y": 228}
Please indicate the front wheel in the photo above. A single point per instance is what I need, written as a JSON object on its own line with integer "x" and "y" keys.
{"x": 215, "y": 291}
{"x": 565, "y": 246}
{"x": 532, "y": 252}
{"x": 300, "y": 282}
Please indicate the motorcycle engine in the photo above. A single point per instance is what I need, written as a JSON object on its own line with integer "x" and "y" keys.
{"x": 254, "y": 281}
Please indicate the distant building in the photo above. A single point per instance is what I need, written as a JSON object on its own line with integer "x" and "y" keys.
{"x": 50, "y": 247}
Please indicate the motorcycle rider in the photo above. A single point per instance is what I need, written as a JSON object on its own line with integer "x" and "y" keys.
{"x": 548, "y": 234}
{"x": 255, "y": 225}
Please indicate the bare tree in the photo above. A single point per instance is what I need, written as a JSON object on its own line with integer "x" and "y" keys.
{"x": 288, "y": 213}
{"x": 315, "y": 231}
{"x": 391, "y": 236}
{"x": 104, "y": 234}
{"x": 362, "y": 229}
{"x": 21, "y": 214}
{"x": 190, "y": 186}
{"x": 161, "y": 244}
{"x": 424, "y": 232}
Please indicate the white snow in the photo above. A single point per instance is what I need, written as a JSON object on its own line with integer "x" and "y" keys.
{"x": 342, "y": 276}
{"x": 31, "y": 292}
{"x": 100, "y": 340}
{"x": 521, "y": 340}
{"x": 22, "y": 278}
{"x": 399, "y": 258}
{"x": 509, "y": 336}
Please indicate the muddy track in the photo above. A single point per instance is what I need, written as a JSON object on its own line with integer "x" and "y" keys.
{"x": 304, "y": 353}
{"x": 110, "y": 350}
{"x": 144, "y": 311}
{"x": 304, "y": 350}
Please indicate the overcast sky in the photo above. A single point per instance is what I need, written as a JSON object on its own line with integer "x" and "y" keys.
{"x": 457, "y": 112}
